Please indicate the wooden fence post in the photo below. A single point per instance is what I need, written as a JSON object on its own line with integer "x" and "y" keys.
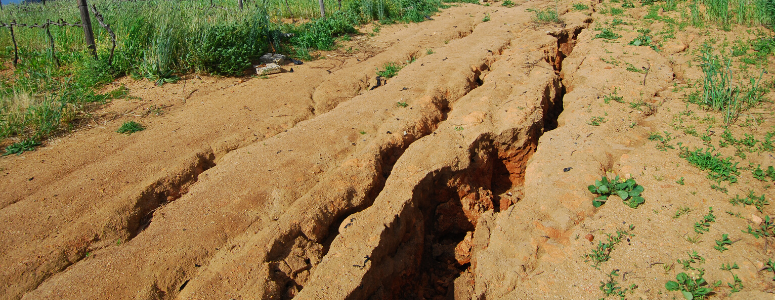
{"x": 240, "y": 4}
{"x": 87, "y": 31}
{"x": 322, "y": 9}
{"x": 15, "y": 47}
{"x": 51, "y": 40}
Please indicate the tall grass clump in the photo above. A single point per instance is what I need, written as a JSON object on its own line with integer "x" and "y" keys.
{"x": 160, "y": 40}
{"x": 720, "y": 93}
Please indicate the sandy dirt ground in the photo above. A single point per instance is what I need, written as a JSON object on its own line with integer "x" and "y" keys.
{"x": 465, "y": 176}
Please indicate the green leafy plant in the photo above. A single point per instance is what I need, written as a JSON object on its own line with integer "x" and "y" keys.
{"x": 402, "y": 104}
{"x": 429, "y": 51}
{"x": 757, "y": 201}
{"x": 602, "y": 252}
{"x": 21, "y": 147}
{"x": 762, "y": 175}
{"x": 690, "y": 287}
{"x": 628, "y": 190}
{"x": 680, "y": 181}
{"x": 486, "y": 18}
{"x": 766, "y": 228}
{"x": 389, "y": 70}
{"x": 718, "y": 169}
{"x": 703, "y": 225}
{"x": 721, "y": 244}
{"x": 644, "y": 39}
{"x": 611, "y": 287}
{"x": 130, "y": 127}
{"x": 509, "y": 3}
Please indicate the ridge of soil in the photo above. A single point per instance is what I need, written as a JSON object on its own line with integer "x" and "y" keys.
{"x": 463, "y": 177}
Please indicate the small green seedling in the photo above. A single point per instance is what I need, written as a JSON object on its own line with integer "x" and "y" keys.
{"x": 691, "y": 288}
{"x": 362, "y": 132}
{"x": 767, "y": 228}
{"x": 21, "y": 147}
{"x": 728, "y": 267}
{"x": 686, "y": 264}
{"x": 486, "y": 18}
{"x": 130, "y": 127}
{"x": 613, "y": 96}
{"x": 402, "y": 104}
{"x": 721, "y": 244}
{"x": 680, "y": 181}
{"x": 704, "y": 225}
{"x": 458, "y": 128}
{"x": 629, "y": 191}
{"x": 509, "y": 3}
{"x": 611, "y": 288}
{"x": 596, "y": 121}
{"x": 737, "y": 285}
{"x": 681, "y": 211}
{"x": 770, "y": 266}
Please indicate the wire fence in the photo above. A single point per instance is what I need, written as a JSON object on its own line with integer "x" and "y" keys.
{"x": 59, "y": 23}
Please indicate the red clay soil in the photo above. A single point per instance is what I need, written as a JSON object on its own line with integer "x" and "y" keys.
{"x": 463, "y": 177}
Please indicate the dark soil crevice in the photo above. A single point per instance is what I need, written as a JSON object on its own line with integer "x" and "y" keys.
{"x": 164, "y": 191}
{"x": 288, "y": 274}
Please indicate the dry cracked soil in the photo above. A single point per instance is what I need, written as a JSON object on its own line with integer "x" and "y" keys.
{"x": 463, "y": 177}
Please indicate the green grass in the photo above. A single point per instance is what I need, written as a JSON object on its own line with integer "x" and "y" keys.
{"x": 607, "y": 34}
{"x": 546, "y": 16}
{"x": 130, "y": 127}
{"x": 719, "y": 169}
{"x": 580, "y": 6}
{"x": 389, "y": 70}
{"x": 720, "y": 93}
{"x": 161, "y": 40}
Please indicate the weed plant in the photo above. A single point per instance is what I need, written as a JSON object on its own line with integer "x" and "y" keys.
{"x": 757, "y": 201}
{"x": 602, "y": 252}
{"x": 628, "y": 190}
{"x": 719, "y": 169}
{"x": 21, "y": 147}
{"x": 546, "y": 16}
{"x": 130, "y": 127}
{"x": 766, "y": 228}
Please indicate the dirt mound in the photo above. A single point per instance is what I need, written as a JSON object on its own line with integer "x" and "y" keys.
{"x": 463, "y": 177}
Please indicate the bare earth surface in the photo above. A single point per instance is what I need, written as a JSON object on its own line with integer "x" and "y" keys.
{"x": 321, "y": 184}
